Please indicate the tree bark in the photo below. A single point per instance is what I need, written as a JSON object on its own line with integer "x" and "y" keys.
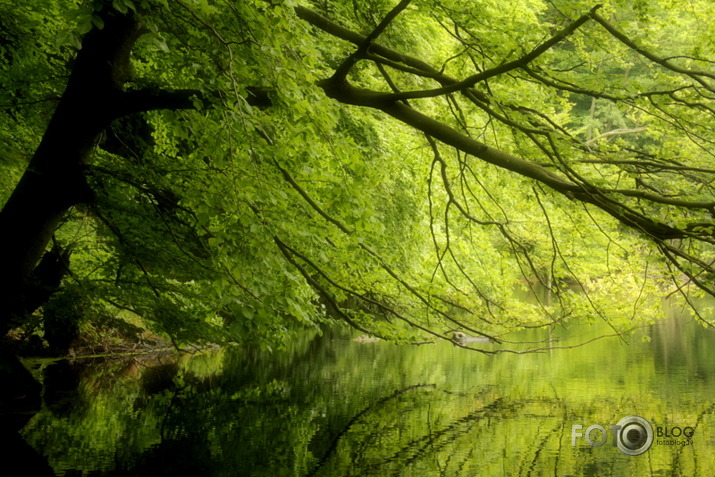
{"x": 54, "y": 180}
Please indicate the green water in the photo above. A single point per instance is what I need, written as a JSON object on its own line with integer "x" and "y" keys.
{"x": 333, "y": 407}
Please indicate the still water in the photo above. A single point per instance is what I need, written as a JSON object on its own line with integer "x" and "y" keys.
{"x": 330, "y": 406}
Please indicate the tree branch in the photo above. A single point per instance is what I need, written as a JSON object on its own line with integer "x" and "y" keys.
{"x": 623, "y": 38}
{"x": 496, "y": 71}
{"x": 151, "y": 99}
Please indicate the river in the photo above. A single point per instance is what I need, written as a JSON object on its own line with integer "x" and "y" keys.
{"x": 330, "y": 406}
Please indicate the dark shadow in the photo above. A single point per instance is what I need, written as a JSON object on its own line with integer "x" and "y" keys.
{"x": 61, "y": 393}
{"x": 20, "y": 399}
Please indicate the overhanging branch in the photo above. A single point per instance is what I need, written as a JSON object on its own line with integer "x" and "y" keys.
{"x": 337, "y": 87}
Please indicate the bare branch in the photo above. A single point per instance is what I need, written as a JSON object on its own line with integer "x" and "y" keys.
{"x": 617, "y": 132}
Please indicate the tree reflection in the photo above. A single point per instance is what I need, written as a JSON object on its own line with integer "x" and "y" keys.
{"x": 330, "y": 406}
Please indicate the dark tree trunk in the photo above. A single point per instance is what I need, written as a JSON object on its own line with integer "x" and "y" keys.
{"x": 54, "y": 180}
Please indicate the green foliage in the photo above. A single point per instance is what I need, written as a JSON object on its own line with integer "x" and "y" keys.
{"x": 240, "y": 222}
{"x": 33, "y": 69}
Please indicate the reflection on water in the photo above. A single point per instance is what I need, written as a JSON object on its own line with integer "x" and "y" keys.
{"x": 332, "y": 407}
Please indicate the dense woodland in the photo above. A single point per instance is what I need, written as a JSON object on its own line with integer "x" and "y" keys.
{"x": 205, "y": 171}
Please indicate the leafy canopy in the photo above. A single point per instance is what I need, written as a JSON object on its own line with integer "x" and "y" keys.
{"x": 487, "y": 166}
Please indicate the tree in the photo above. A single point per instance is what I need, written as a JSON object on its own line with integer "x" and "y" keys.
{"x": 200, "y": 177}
{"x": 678, "y": 219}
{"x": 54, "y": 180}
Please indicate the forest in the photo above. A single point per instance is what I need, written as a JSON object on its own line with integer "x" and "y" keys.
{"x": 218, "y": 172}
{"x": 192, "y": 173}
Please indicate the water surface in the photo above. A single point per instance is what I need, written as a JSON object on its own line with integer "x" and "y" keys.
{"x": 330, "y": 406}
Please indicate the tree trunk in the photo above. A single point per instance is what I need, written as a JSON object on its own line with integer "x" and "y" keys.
{"x": 54, "y": 180}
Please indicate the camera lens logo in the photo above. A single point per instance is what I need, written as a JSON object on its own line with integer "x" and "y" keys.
{"x": 634, "y": 435}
